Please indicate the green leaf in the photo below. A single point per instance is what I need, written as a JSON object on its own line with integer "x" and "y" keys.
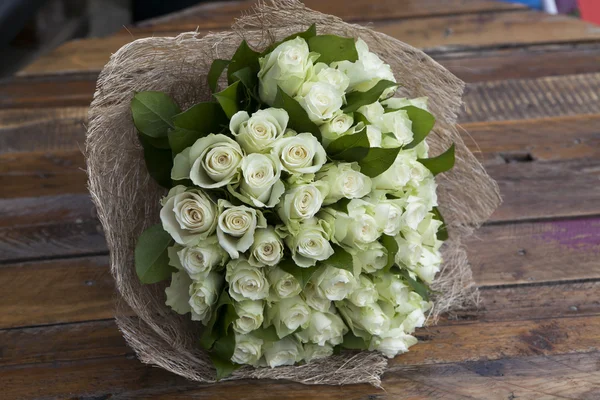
{"x": 359, "y": 117}
{"x": 356, "y": 100}
{"x": 213, "y": 330}
{"x": 267, "y": 334}
{"x": 216, "y": 69}
{"x": 340, "y": 146}
{"x": 333, "y": 48}
{"x": 415, "y": 284}
{"x": 340, "y": 259}
{"x": 442, "y": 233}
{"x": 158, "y": 143}
{"x": 354, "y": 342}
{"x": 422, "y": 124}
{"x": 244, "y": 57}
{"x": 224, "y": 367}
{"x": 159, "y": 162}
{"x": 229, "y": 99}
{"x": 153, "y": 113}
{"x": 299, "y": 120}
{"x": 302, "y": 275}
{"x": 377, "y": 161}
{"x": 441, "y": 163}
{"x": 151, "y": 257}
{"x": 340, "y": 205}
{"x": 195, "y": 123}
{"x": 306, "y": 35}
{"x": 391, "y": 246}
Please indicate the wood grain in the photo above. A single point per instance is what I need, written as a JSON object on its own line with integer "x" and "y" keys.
{"x": 222, "y": 14}
{"x": 435, "y": 35}
{"x": 49, "y": 292}
{"x": 530, "y": 252}
{"x": 534, "y": 377}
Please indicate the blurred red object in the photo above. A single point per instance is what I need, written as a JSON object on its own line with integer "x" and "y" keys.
{"x": 590, "y": 10}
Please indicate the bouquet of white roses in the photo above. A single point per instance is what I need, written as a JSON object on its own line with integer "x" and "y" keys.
{"x": 301, "y": 217}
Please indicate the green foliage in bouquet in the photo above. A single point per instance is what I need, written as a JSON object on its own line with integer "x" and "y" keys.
{"x": 361, "y": 136}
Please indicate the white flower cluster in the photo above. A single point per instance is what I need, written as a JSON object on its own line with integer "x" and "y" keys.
{"x": 262, "y": 194}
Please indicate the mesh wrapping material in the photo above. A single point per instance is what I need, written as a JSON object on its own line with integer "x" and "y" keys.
{"x": 127, "y": 198}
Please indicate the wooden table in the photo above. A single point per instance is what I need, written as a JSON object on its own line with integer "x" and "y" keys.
{"x": 533, "y": 116}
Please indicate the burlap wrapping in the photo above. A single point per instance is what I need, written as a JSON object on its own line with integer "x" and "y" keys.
{"x": 127, "y": 198}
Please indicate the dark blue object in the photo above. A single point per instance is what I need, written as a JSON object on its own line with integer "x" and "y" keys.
{"x": 537, "y": 4}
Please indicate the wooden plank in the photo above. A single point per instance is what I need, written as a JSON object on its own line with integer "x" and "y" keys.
{"x": 223, "y": 14}
{"x": 548, "y": 139}
{"x": 36, "y": 91}
{"x": 536, "y": 251}
{"x": 42, "y": 173}
{"x": 55, "y": 291}
{"x": 471, "y": 66}
{"x": 535, "y": 377}
{"x": 529, "y": 252}
{"x": 522, "y": 62}
{"x": 59, "y": 128}
{"x": 509, "y": 314}
{"x": 532, "y": 98}
{"x": 435, "y": 35}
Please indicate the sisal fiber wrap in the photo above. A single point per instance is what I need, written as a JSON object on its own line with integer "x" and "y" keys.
{"x": 127, "y": 198}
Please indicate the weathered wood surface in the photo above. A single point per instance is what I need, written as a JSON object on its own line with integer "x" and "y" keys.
{"x": 532, "y": 114}
{"x": 433, "y": 34}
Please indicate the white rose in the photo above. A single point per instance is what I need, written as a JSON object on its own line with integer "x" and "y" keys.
{"x": 375, "y": 137}
{"x": 283, "y": 284}
{"x": 344, "y": 180}
{"x": 256, "y": 134}
{"x": 301, "y": 202}
{"x": 267, "y": 248}
{"x": 396, "y": 103}
{"x": 324, "y": 328}
{"x": 213, "y": 161}
{"x": 260, "y": 185}
{"x": 371, "y": 259}
{"x": 248, "y": 349}
{"x": 372, "y": 112}
{"x": 369, "y": 318}
{"x": 388, "y": 214}
{"x": 246, "y": 282}
{"x": 315, "y": 352}
{"x": 320, "y": 100}
{"x": 250, "y": 315}
{"x": 367, "y": 70}
{"x": 287, "y": 315}
{"x": 428, "y": 229}
{"x": 392, "y": 289}
{"x": 398, "y": 123}
{"x": 365, "y": 292}
{"x": 429, "y": 264}
{"x": 199, "y": 259}
{"x": 300, "y": 154}
{"x": 358, "y": 228}
{"x": 334, "y": 283}
{"x": 410, "y": 248}
{"x": 236, "y": 226}
{"x": 286, "y": 351}
{"x": 336, "y": 127}
{"x": 178, "y": 292}
{"x": 310, "y": 244}
{"x": 394, "y": 345}
{"x": 395, "y": 178}
{"x": 287, "y": 66}
{"x": 313, "y": 298}
{"x": 188, "y": 216}
{"x": 415, "y": 211}
{"x": 426, "y": 191}
{"x": 203, "y": 296}
{"x": 331, "y": 76}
